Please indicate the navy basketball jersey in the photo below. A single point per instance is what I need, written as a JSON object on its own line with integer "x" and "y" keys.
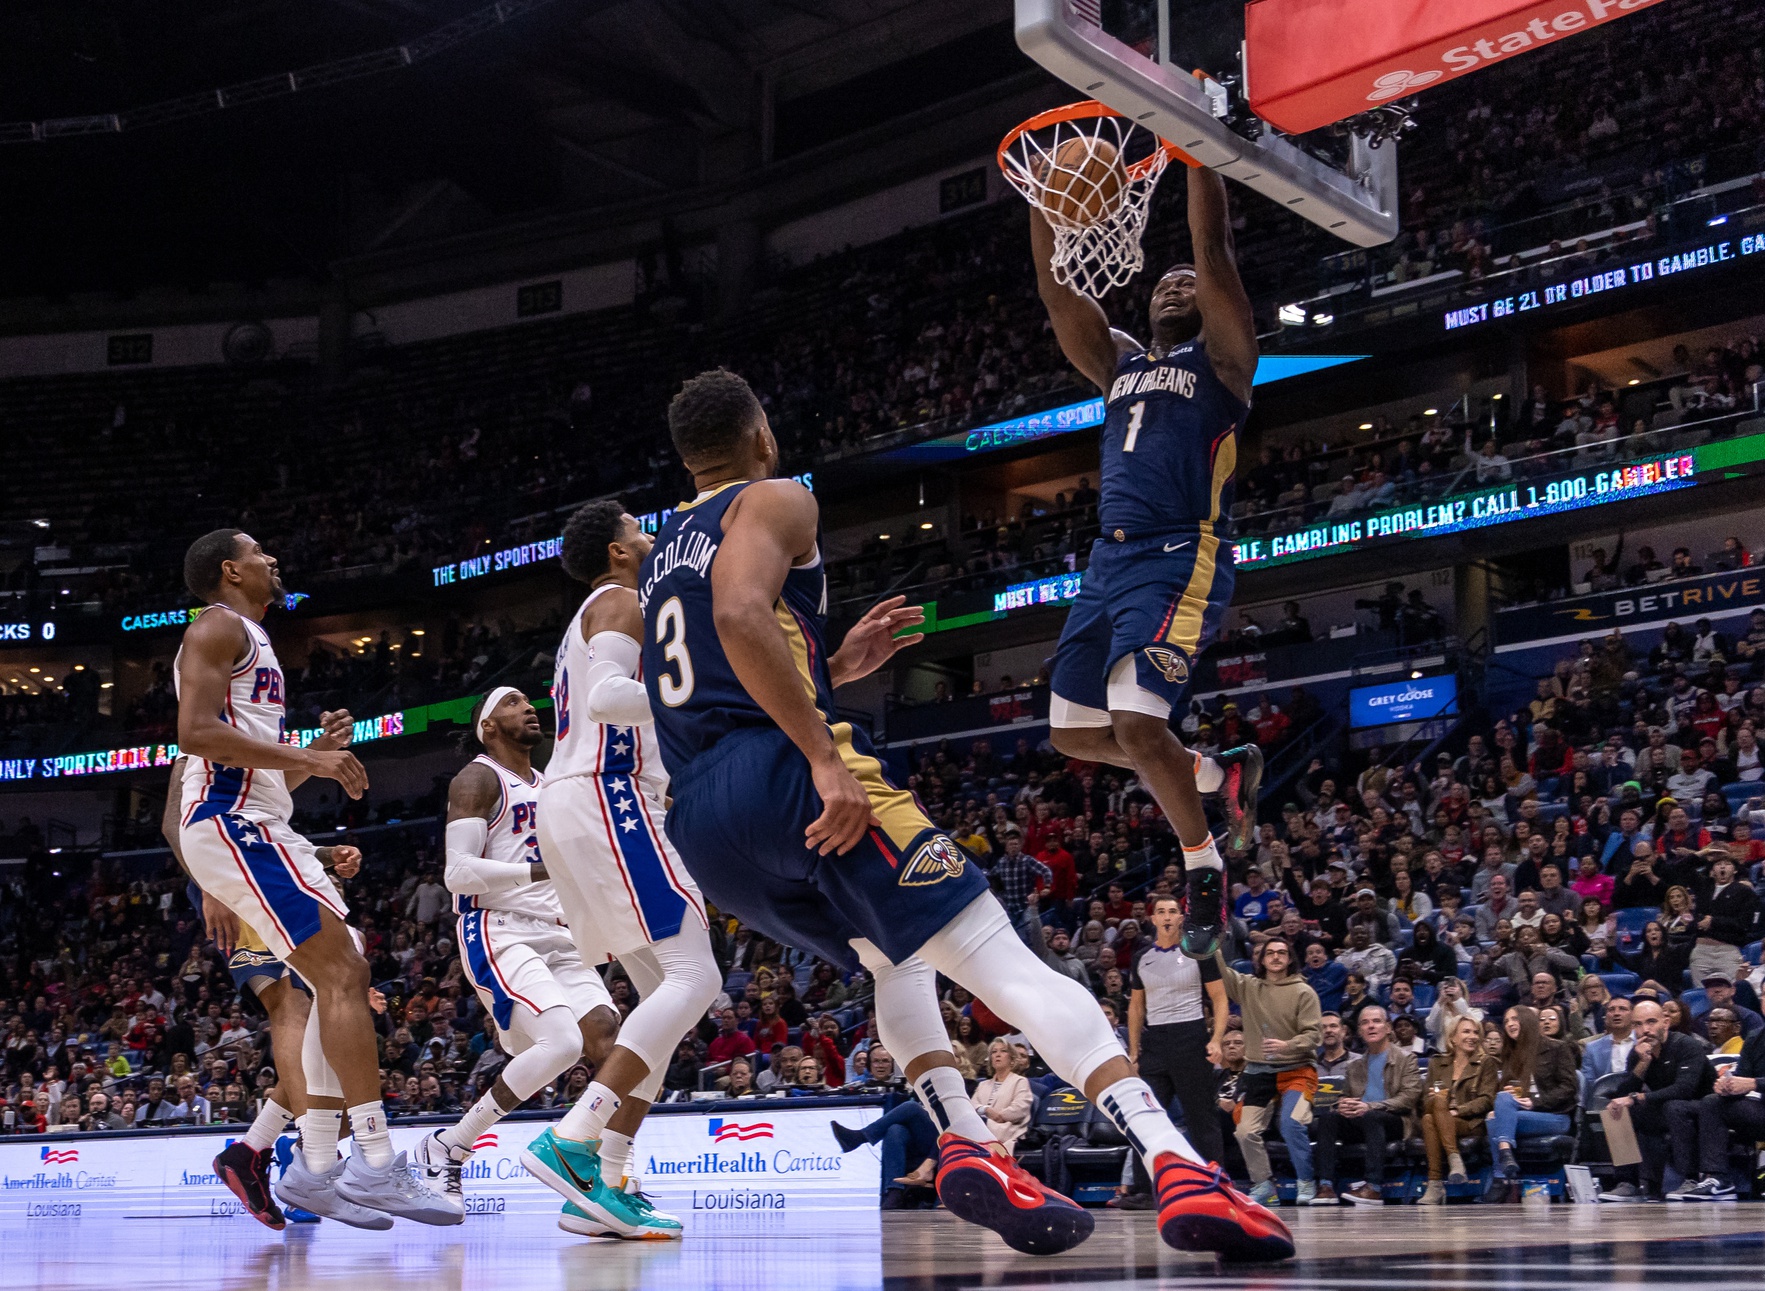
{"x": 695, "y": 696}
{"x": 1170, "y": 446}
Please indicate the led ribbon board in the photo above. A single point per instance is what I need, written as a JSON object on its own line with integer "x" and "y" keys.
{"x": 1084, "y": 415}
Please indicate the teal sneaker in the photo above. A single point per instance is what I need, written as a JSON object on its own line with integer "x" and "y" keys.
{"x": 658, "y": 1225}
{"x": 573, "y": 1219}
{"x": 573, "y": 1171}
{"x": 652, "y": 1225}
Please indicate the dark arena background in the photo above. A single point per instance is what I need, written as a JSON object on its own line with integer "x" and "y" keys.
{"x": 395, "y": 287}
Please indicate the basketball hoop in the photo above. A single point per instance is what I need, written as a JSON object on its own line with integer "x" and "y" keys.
{"x": 1091, "y": 172}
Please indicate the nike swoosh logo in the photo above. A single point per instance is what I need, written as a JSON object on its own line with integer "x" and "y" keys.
{"x": 1175, "y": 546}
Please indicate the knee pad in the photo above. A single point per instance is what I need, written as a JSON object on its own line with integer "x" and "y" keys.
{"x": 689, "y": 982}
{"x": 554, "y": 1043}
{"x": 321, "y": 1081}
{"x": 908, "y": 1021}
{"x": 979, "y": 950}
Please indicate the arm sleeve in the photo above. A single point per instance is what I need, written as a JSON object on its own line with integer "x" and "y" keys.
{"x": 611, "y": 691}
{"x": 472, "y": 873}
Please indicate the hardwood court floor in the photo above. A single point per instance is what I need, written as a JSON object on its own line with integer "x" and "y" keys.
{"x": 1459, "y": 1248}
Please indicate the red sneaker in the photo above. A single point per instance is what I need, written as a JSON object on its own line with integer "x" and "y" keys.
{"x": 247, "y": 1176}
{"x": 1200, "y": 1210}
{"x": 989, "y": 1188}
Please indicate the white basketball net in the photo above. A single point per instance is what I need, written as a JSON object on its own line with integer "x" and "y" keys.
{"x": 1062, "y": 170}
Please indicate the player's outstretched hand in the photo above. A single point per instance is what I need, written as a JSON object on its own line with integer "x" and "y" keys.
{"x": 872, "y": 641}
{"x": 222, "y": 925}
{"x": 346, "y": 861}
{"x": 341, "y": 766}
{"x": 845, "y": 810}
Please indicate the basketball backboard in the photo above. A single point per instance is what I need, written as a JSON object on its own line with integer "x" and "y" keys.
{"x": 1140, "y": 56}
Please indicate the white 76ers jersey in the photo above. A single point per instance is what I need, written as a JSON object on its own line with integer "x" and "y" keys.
{"x": 255, "y": 705}
{"x": 513, "y": 838}
{"x": 587, "y": 747}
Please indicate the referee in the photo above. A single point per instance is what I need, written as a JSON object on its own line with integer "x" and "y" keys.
{"x": 1168, "y": 1035}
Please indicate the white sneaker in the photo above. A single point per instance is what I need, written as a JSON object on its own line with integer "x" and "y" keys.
{"x": 439, "y": 1166}
{"x": 301, "y": 1188}
{"x": 394, "y": 1190}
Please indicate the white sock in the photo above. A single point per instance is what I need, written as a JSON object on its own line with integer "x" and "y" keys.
{"x": 479, "y": 1117}
{"x": 367, "y": 1122}
{"x": 318, "y": 1137}
{"x": 1209, "y": 775}
{"x": 944, "y": 1096}
{"x": 586, "y": 1121}
{"x": 1146, "y": 1125}
{"x": 615, "y": 1157}
{"x": 268, "y": 1126}
{"x": 1205, "y": 857}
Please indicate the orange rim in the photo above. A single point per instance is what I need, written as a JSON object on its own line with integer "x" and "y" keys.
{"x": 1092, "y": 108}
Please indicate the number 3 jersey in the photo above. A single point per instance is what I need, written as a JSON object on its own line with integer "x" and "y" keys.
{"x": 513, "y": 838}
{"x": 695, "y": 696}
{"x": 1170, "y": 446}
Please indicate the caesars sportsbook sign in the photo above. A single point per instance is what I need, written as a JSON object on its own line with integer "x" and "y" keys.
{"x": 771, "y": 1157}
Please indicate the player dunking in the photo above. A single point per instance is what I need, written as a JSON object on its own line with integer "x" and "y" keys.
{"x": 788, "y": 821}
{"x": 1161, "y": 573}
{"x": 239, "y": 847}
{"x": 549, "y": 1006}
{"x": 623, "y": 888}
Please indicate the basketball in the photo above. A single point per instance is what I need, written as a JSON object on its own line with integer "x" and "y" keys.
{"x": 1083, "y": 185}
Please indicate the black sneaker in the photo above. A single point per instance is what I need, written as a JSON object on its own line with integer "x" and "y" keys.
{"x": 1243, "y": 767}
{"x": 1205, "y": 918}
{"x": 1506, "y": 1165}
{"x": 247, "y": 1176}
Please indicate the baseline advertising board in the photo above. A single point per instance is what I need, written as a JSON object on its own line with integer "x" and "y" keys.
{"x": 767, "y": 1157}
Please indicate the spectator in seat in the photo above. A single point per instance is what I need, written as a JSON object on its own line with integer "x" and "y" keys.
{"x": 1004, "y": 1098}
{"x": 1460, "y": 1092}
{"x": 1451, "y": 1003}
{"x": 1372, "y": 961}
{"x": 1665, "y": 1067}
{"x": 1497, "y": 908}
{"x": 781, "y": 1072}
{"x": 1426, "y": 958}
{"x": 1531, "y": 957}
{"x": 1381, "y": 927}
{"x": 155, "y": 1108}
{"x": 1722, "y": 1030}
{"x": 1640, "y": 885}
{"x": 1537, "y": 1088}
{"x": 1333, "y": 1058}
{"x": 1731, "y": 1106}
{"x": 740, "y": 1082}
{"x": 1383, "y": 1088}
{"x": 909, "y": 1141}
{"x": 1324, "y": 975}
{"x": 1553, "y": 897}
{"x": 730, "y": 1042}
{"x": 1719, "y": 994}
{"x": 1608, "y": 1054}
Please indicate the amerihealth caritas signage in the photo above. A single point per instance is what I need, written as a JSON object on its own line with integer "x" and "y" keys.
{"x": 771, "y": 1157}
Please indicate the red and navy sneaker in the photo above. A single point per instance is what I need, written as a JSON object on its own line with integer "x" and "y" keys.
{"x": 1200, "y": 1210}
{"x": 989, "y": 1188}
{"x": 1243, "y": 782}
{"x": 247, "y": 1176}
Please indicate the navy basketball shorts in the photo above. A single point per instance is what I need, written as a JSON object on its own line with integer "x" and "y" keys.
{"x": 738, "y": 819}
{"x": 1145, "y": 610}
